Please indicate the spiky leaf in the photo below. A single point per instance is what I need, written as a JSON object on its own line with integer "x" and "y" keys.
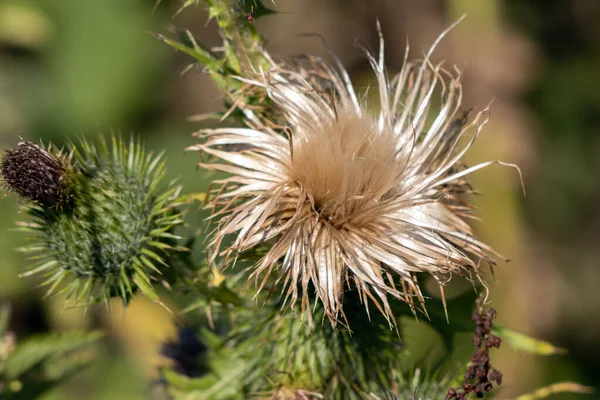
{"x": 32, "y": 351}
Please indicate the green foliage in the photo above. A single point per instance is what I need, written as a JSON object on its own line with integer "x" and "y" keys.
{"x": 32, "y": 351}
{"x": 264, "y": 352}
{"x": 556, "y": 388}
{"x": 242, "y": 52}
{"x": 459, "y": 308}
{"x": 526, "y": 343}
{"x": 115, "y": 238}
{"x": 242, "y": 43}
{"x": 415, "y": 386}
{"x": 30, "y": 367}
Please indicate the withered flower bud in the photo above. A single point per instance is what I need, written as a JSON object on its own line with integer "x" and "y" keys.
{"x": 37, "y": 174}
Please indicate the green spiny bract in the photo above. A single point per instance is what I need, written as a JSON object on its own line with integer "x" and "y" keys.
{"x": 293, "y": 360}
{"x": 114, "y": 237}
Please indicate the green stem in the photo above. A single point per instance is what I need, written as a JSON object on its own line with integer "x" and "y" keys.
{"x": 242, "y": 42}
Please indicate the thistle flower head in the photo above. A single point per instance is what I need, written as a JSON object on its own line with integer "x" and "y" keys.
{"x": 112, "y": 240}
{"x": 37, "y": 174}
{"x": 345, "y": 196}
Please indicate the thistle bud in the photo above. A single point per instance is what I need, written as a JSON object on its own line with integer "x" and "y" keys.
{"x": 37, "y": 174}
{"x": 113, "y": 239}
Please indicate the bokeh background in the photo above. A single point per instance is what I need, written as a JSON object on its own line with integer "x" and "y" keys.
{"x": 83, "y": 67}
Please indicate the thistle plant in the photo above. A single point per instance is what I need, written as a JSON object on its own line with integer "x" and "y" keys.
{"x": 29, "y": 367}
{"x": 337, "y": 202}
{"x": 100, "y": 222}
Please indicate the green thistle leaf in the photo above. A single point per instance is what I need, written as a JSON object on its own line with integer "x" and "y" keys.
{"x": 527, "y": 344}
{"x": 33, "y": 350}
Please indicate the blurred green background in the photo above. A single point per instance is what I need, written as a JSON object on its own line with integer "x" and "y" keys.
{"x": 81, "y": 68}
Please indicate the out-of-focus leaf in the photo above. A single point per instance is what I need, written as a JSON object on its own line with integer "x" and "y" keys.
{"x": 97, "y": 49}
{"x": 30, "y": 352}
{"x": 61, "y": 366}
{"x": 28, "y": 391}
{"x": 219, "y": 294}
{"x": 460, "y": 309}
{"x": 23, "y": 25}
{"x": 525, "y": 343}
{"x": 184, "y": 383}
{"x": 4, "y": 318}
{"x": 561, "y": 387}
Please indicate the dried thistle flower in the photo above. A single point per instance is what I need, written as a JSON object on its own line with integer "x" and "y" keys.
{"x": 347, "y": 195}
{"x": 37, "y": 174}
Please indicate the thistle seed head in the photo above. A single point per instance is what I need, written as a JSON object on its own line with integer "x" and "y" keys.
{"x": 37, "y": 174}
{"x": 346, "y": 197}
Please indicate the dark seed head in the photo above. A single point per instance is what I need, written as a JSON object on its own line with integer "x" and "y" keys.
{"x": 36, "y": 174}
{"x": 487, "y": 325}
{"x": 470, "y": 374}
{"x": 480, "y": 373}
{"x": 496, "y": 341}
{"x": 496, "y": 376}
{"x": 451, "y": 394}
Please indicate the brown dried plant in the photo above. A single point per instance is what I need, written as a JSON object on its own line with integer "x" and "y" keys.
{"x": 347, "y": 197}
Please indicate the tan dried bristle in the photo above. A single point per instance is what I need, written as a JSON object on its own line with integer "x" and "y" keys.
{"x": 349, "y": 197}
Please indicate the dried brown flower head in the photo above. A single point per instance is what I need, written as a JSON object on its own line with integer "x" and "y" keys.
{"x": 37, "y": 174}
{"x": 349, "y": 196}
